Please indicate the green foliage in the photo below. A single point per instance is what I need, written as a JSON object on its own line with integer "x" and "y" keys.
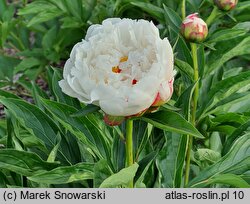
{"x": 48, "y": 139}
{"x": 122, "y": 178}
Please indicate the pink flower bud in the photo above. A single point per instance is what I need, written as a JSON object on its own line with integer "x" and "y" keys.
{"x": 226, "y": 5}
{"x": 194, "y": 29}
{"x": 113, "y": 120}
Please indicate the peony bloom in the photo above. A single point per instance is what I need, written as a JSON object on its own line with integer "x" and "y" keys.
{"x": 123, "y": 66}
{"x": 194, "y": 29}
{"x": 226, "y": 5}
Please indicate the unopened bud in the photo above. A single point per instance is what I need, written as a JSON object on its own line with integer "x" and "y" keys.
{"x": 194, "y": 29}
{"x": 226, "y": 5}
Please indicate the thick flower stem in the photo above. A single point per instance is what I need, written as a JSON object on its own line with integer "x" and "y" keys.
{"x": 214, "y": 14}
{"x": 129, "y": 147}
{"x": 195, "y": 100}
{"x": 183, "y": 9}
{"x": 196, "y": 77}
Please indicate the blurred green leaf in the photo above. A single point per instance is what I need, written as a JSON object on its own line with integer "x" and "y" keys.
{"x": 3, "y": 7}
{"x": 228, "y": 179}
{"x": 223, "y": 54}
{"x": 225, "y": 34}
{"x": 53, "y": 153}
{"x": 168, "y": 160}
{"x": 24, "y": 163}
{"x": 185, "y": 68}
{"x": 65, "y": 174}
{"x": 185, "y": 99}
{"x": 172, "y": 18}
{"x": 225, "y": 88}
{"x": 33, "y": 119}
{"x": 8, "y": 94}
{"x": 122, "y": 178}
{"x": 144, "y": 165}
{"x": 243, "y": 25}
{"x": 27, "y": 63}
{"x": 7, "y": 65}
{"x": 44, "y": 16}
{"x": 101, "y": 172}
{"x": 156, "y": 12}
{"x": 236, "y": 161}
{"x": 239, "y": 132}
{"x": 82, "y": 127}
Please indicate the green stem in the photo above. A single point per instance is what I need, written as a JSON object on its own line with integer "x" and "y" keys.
{"x": 195, "y": 100}
{"x": 196, "y": 77}
{"x": 183, "y": 9}
{"x": 129, "y": 147}
{"x": 214, "y": 14}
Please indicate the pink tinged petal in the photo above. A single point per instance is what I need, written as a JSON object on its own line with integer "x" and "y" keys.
{"x": 152, "y": 109}
{"x": 192, "y": 16}
{"x": 164, "y": 94}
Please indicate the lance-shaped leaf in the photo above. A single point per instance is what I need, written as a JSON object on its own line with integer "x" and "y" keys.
{"x": 172, "y": 121}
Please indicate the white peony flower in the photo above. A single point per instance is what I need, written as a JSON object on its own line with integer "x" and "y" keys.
{"x": 123, "y": 66}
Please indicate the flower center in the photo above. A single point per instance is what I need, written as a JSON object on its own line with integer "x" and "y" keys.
{"x": 117, "y": 69}
{"x": 134, "y": 81}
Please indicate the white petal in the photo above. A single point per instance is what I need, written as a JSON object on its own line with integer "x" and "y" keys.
{"x": 165, "y": 92}
{"x": 69, "y": 91}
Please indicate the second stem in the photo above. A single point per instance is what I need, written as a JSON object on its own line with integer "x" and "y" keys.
{"x": 129, "y": 147}
{"x": 195, "y": 100}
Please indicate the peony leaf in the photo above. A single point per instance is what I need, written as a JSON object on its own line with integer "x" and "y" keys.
{"x": 154, "y": 11}
{"x": 172, "y": 18}
{"x": 35, "y": 121}
{"x": 144, "y": 165}
{"x": 65, "y": 174}
{"x": 171, "y": 121}
{"x": 171, "y": 159}
{"x": 239, "y": 132}
{"x": 224, "y": 89}
{"x": 27, "y": 63}
{"x": 227, "y": 51}
{"x": 24, "y": 163}
{"x": 86, "y": 110}
{"x": 185, "y": 68}
{"x": 228, "y": 179}
{"x": 236, "y": 161}
{"x": 7, "y": 65}
{"x": 87, "y": 129}
{"x": 101, "y": 172}
{"x": 122, "y": 178}
{"x": 225, "y": 34}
